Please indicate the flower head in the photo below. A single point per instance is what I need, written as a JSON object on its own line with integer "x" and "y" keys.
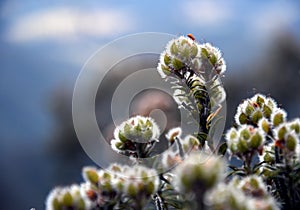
{"x": 198, "y": 172}
{"x": 134, "y": 132}
{"x": 252, "y": 110}
{"x": 287, "y": 137}
{"x": 246, "y": 139}
{"x": 66, "y": 198}
{"x": 248, "y": 193}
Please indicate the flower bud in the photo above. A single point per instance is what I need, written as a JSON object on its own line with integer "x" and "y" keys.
{"x": 291, "y": 142}
{"x": 243, "y": 119}
{"x": 167, "y": 59}
{"x": 91, "y": 175}
{"x": 256, "y": 116}
{"x": 177, "y": 64}
{"x": 174, "y": 48}
{"x": 278, "y": 117}
{"x": 67, "y": 199}
{"x": 256, "y": 141}
{"x": 264, "y": 125}
{"x": 198, "y": 171}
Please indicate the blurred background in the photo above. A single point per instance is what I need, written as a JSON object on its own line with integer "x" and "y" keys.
{"x": 44, "y": 44}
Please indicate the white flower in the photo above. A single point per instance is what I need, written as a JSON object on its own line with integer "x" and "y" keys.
{"x": 244, "y": 139}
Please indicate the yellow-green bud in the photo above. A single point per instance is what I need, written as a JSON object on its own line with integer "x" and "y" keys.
{"x": 243, "y": 118}
{"x": 260, "y": 100}
{"x": 167, "y": 59}
{"x": 80, "y": 204}
{"x": 174, "y": 49}
{"x": 268, "y": 158}
{"x": 291, "y": 143}
{"x": 245, "y": 134}
{"x": 185, "y": 53}
{"x": 242, "y": 146}
{"x": 131, "y": 190}
{"x": 265, "y": 126}
{"x": 249, "y": 110}
{"x": 256, "y": 141}
{"x": 67, "y": 199}
{"x": 281, "y": 132}
{"x": 267, "y": 111}
{"x": 56, "y": 204}
{"x": 150, "y": 187}
{"x": 91, "y": 175}
{"x": 165, "y": 69}
{"x": 296, "y": 127}
{"x": 177, "y": 64}
{"x": 278, "y": 119}
{"x": 256, "y": 116}
{"x": 233, "y": 134}
{"x": 194, "y": 51}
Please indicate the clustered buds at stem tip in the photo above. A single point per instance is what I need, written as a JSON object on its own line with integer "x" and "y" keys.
{"x": 136, "y": 137}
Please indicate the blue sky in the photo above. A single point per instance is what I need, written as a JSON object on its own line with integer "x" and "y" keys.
{"x": 44, "y": 44}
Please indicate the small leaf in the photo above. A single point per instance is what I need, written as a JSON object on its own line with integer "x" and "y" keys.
{"x": 222, "y": 149}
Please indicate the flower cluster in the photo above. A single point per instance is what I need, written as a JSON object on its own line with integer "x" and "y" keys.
{"x": 245, "y": 194}
{"x": 244, "y": 140}
{"x": 263, "y": 130}
{"x": 116, "y": 187}
{"x": 180, "y": 148}
{"x": 184, "y": 54}
{"x": 67, "y": 198}
{"x": 198, "y": 64}
{"x": 257, "y": 119}
{"x": 198, "y": 173}
{"x": 136, "y": 137}
{"x": 195, "y": 70}
{"x": 262, "y": 116}
{"x": 287, "y": 137}
{"x": 252, "y": 110}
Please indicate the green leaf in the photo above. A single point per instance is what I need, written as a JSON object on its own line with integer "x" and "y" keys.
{"x": 222, "y": 149}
